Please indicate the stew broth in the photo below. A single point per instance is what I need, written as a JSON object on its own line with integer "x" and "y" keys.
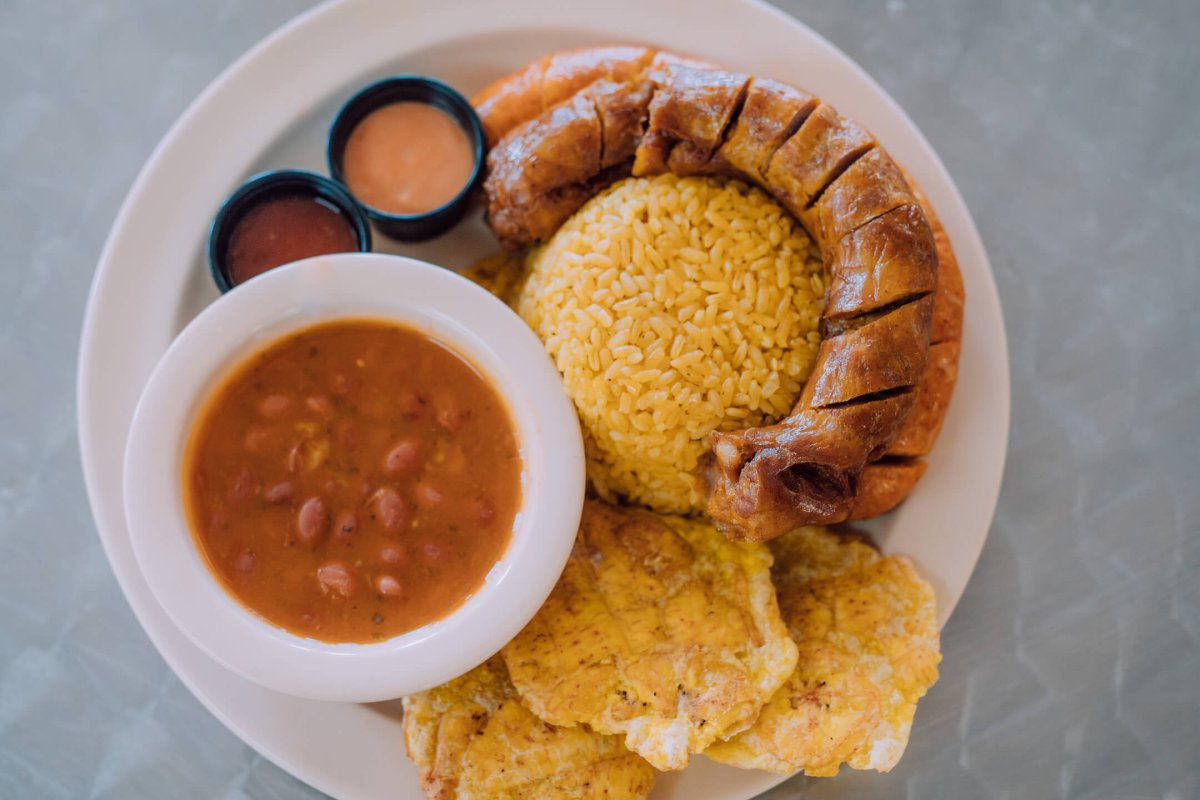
{"x": 353, "y": 481}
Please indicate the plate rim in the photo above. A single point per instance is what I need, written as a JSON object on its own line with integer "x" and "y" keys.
{"x": 946, "y": 189}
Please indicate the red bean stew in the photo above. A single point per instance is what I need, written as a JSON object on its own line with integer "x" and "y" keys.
{"x": 353, "y": 481}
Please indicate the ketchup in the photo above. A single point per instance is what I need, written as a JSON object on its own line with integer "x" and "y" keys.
{"x": 285, "y": 229}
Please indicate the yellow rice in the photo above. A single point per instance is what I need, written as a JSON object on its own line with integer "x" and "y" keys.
{"x": 674, "y": 307}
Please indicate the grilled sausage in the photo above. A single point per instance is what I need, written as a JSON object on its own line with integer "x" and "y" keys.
{"x": 881, "y": 489}
{"x": 555, "y": 147}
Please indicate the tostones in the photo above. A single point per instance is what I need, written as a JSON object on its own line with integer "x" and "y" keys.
{"x": 660, "y": 629}
{"x": 867, "y": 632}
{"x": 471, "y": 738}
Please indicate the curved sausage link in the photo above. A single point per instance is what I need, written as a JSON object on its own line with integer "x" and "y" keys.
{"x": 573, "y": 122}
{"x": 521, "y": 96}
{"x": 551, "y": 79}
{"x": 543, "y": 170}
{"x": 885, "y": 483}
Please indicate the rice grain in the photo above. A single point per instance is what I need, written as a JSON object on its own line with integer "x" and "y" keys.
{"x": 674, "y": 307}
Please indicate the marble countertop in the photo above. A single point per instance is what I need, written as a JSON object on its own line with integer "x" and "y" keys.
{"x": 1072, "y": 665}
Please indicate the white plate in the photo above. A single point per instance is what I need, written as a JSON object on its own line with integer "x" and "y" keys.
{"x": 272, "y": 108}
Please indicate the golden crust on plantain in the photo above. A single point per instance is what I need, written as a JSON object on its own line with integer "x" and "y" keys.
{"x": 502, "y": 274}
{"x": 659, "y": 629}
{"x": 867, "y": 633}
{"x": 471, "y": 738}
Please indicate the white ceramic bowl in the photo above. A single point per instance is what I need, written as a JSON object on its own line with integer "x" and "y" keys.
{"x": 440, "y": 303}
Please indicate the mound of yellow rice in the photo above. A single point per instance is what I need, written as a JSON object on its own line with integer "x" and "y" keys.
{"x": 674, "y": 307}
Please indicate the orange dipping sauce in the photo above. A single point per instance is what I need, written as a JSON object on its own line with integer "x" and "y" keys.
{"x": 353, "y": 481}
{"x": 407, "y": 158}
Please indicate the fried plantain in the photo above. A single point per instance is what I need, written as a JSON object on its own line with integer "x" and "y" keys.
{"x": 501, "y": 273}
{"x": 472, "y": 738}
{"x": 867, "y": 631}
{"x": 659, "y": 629}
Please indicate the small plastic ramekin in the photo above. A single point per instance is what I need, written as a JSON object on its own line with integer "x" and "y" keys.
{"x": 267, "y": 186}
{"x": 441, "y": 304}
{"x": 418, "y": 89}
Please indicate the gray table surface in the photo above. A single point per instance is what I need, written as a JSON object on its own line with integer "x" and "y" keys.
{"x": 1072, "y": 666}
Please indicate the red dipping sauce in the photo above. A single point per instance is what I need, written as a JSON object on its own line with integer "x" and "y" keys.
{"x": 285, "y": 229}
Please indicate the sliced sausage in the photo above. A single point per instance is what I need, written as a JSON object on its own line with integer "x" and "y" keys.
{"x": 821, "y": 150}
{"x": 772, "y": 112}
{"x": 886, "y": 261}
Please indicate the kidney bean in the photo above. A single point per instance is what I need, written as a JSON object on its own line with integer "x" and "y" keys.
{"x": 335, "y": 580}
{"x": 485, "y": 512}
{"x": 279, "y": 492}
{"x": 450, "y": 416}
{"x": 344, "y": 383}
{"x": 346, "y": 525}
{"x": 256, "y": 440}
{"x": 391, "y": 555}
{"x": 246, "y": 562}
{"x": 243, "y": 484}
{"x": 389, "y": 586}
{"x": 307, "y": 454}
{"x": 404, "y": 456}
{"x": 429, "y": 495}
{"x": 320, "y": 405}
{"x": 390, "y": 508}
{"x": 432, "y": 552}
{"x": 218, "y": 523}
{"x": 312, "y": 520}
{"x": 274, "y": 406}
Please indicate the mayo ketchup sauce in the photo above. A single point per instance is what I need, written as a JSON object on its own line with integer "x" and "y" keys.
{"x": 407, "y": 158}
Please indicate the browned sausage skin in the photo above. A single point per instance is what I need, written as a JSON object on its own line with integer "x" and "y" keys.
{"x": 572, "y": 123}
{"x": 885, "y": 483}
{"x": 551, "y": 79}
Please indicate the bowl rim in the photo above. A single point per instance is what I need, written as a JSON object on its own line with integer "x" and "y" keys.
{"x": 314, "y": 291}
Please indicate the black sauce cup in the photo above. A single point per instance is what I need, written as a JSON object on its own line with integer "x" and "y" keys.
{"x": 268, "y": 186}
{"x": 412, "y": 89}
